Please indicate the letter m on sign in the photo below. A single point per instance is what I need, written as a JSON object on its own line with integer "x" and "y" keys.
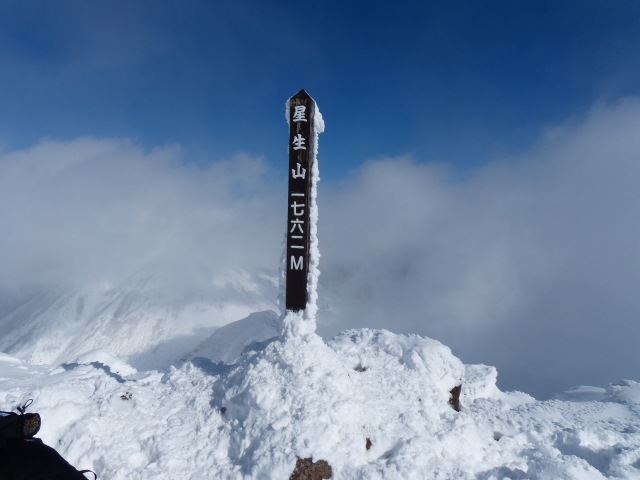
{"x": 296, "y": 263}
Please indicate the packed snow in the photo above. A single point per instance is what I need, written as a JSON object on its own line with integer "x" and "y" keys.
{"x": 296, "y": 396}
{"x": 216, "y": 385}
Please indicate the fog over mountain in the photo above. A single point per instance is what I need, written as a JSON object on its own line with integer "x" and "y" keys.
{"x": 530, "y": 263}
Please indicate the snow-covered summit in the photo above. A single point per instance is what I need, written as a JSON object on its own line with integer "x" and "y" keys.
{"x": 372, "y": 404}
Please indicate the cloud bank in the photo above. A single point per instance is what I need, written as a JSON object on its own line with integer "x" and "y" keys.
{"x": 529, "y": 263}
{"x": 94, "y": 210}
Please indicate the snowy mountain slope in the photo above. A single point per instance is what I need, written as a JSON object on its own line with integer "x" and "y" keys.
{"x": 140, "y": 320}
{"x": 371, "y": 403}
{"x": 227, "y": 343}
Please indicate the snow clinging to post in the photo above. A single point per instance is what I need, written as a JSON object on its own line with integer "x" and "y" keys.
{"x": 314, "y": 257}
{"x": 301, "y": 257}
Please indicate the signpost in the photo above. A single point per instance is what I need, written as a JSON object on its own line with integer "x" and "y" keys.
{"x": 301, "y": 155}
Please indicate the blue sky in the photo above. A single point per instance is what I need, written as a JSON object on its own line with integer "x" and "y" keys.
{"x": 461, "y": 82}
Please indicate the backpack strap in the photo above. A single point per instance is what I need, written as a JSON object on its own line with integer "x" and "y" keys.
{"x": 24, "y": 407}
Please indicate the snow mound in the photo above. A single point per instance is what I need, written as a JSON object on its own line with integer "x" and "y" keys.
{"x": 371, "y": 403}
{"x": 315, "y": 400}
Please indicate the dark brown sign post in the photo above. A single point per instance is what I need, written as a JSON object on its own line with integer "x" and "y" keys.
{"x": 301, "y": 155}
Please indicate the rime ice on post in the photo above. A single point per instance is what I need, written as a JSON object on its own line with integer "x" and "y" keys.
{"x": 302, "y": 255}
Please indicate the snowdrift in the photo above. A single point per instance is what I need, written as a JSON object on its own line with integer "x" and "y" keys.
{"x": 372, "y": 404}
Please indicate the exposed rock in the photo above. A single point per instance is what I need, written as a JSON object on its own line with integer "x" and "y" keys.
{"x": 360, "y": 368}
{"x": 454, "y": 400}
{"x": 307, "y": 469}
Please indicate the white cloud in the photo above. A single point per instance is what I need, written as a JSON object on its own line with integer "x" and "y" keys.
{"x": 97, "y": 210}
{"x": 531, "y": 264}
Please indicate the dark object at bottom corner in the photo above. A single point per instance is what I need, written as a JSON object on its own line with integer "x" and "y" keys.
{"x": 31, "y": 459}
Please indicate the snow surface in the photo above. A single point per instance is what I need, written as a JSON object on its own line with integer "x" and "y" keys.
{"x": 297, "y": 396}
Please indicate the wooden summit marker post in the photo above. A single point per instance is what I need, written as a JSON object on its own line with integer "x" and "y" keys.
{"x": 301, "y": 155}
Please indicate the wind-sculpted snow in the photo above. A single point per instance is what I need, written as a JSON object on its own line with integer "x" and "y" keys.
{"x": 371, "y": 403}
